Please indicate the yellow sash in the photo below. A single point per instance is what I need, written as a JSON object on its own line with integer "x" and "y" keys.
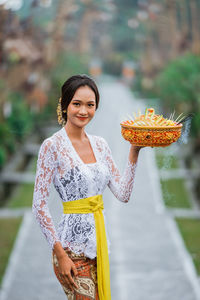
{"x": 95, "y": 205}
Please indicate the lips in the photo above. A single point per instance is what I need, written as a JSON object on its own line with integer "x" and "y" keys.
{"x": 82, "y": 118}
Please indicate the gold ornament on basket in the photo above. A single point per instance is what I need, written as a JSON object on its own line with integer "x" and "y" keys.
{"x": 61, "y": 121}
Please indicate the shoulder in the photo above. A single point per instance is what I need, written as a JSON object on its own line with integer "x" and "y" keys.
{"x": 97, "y": 138}
{"x": 100, "y": 141}
{"x": 46, "y": 146}
{"x": 51, "y": 143}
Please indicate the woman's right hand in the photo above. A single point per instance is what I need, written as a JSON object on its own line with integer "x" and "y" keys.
{"x": 66, "y": 267}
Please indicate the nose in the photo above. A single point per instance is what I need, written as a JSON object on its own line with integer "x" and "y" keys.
{"x": 83, "y": 110}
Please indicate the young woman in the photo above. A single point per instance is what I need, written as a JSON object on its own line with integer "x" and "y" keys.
{"x": 80, "y": 166}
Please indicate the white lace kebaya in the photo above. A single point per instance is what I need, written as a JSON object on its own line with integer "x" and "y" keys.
{"x": 58, "y": 162}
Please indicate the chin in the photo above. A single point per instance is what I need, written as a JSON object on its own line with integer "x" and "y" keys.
{"x": 78, "y": 124}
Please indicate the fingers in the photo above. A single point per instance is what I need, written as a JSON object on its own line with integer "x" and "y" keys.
{"x": 72, "y": 282}
{"x": 66, "y": 270}
{"x": 65, "y": 278}
{"x": 69, "y": 280}
{"x": 74, "y": 270}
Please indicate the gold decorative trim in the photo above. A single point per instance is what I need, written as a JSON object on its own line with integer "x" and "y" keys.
{"x": 61, "y": 121}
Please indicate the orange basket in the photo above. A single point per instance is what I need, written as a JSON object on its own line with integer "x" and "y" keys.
{"x": 160, "y": 136}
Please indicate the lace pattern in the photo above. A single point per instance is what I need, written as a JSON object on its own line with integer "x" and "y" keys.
{"x": 59, "y": 163}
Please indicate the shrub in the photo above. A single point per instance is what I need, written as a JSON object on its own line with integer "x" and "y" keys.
{"x": 20, "y": 120}
{"x": 3, "y": 156}
{"x": 7, "y": 139}
{"x": 178, "y": 87}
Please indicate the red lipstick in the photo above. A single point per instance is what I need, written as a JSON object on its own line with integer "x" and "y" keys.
{"x": 82, "y": 118}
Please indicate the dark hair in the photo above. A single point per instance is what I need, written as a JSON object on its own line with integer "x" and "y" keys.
{"x": 71, "y": 85}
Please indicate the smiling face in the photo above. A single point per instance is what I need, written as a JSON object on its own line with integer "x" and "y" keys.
{"x": 82, "y": 107}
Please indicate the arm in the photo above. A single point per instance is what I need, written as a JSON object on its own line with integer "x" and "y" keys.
{"x": 122, "y": 185}
{"x": 44, "y": 176}
{"x": 43, "y": 179}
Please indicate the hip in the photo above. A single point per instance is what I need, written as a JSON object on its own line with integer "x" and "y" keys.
{"x": 86, "y": 279}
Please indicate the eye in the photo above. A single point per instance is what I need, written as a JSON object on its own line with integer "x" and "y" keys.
{"x": 76, "y": 103}
{"x": 91, "y": 104}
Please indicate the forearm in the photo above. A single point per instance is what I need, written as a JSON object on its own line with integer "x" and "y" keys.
{"x": 59, "y": 251}
{"x": 133, "y": 154}
{"x": 122, "y": 185}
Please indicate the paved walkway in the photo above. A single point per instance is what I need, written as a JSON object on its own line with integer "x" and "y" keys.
{"x": 148, "y": 259}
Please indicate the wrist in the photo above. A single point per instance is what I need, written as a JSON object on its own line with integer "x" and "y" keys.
{"x": 62, "y": 256}
{"x": 135, "y": 149}
{"x": 59, "y": 251}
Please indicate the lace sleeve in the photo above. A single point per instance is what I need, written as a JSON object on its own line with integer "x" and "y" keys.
{"x": 43, "y": 179}
{"x": 120, "y": 185}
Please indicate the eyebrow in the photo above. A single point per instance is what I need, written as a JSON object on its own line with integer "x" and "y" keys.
{"x": 81, "y": 101}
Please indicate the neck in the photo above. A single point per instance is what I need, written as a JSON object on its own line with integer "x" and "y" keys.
{"x": 75, "y": 133}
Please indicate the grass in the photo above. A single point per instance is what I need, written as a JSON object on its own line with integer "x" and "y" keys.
{"x": 190, "y": 230}
{"x": 8, "y": 231}
{"x": 175, "y": 194}
{"x": 166, "y": 162}
{"x": 22, "y": 196}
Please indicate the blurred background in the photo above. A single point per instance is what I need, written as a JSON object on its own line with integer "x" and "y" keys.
{"x": 150, "y": 46}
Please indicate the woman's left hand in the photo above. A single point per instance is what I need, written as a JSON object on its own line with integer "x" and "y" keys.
{"x": 134, "y": 152}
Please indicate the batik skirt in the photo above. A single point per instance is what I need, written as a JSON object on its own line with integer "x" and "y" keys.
{"x": 86, "y": 279}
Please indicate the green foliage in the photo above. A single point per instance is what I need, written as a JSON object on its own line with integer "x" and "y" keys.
{"x": 196, "y": 124}
{"x": 190, "y": 231}
{"x": 42, "y": 118}
{"x": 166, "y": 162}
{"x": 127, "y": 3}
{"x": 113, "y": 64}
{"x": 175, "y": 194}
{"x": 178, "y": 87}
{"x": 68, "y": 64}
{"x": 20, "y": 120}
{"x": 8, "y": 231}
{"x": 22, "y": 197}
{"x": 7, "y": 139}
{"x": 3, "y": 156}
{"x": 114, "y": 61}
{"x": 179, "y": 81}
{"x": 7, "y": 143}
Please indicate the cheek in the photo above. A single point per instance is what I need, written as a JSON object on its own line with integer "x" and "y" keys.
{"x": 92, "y": 112}
{"x": 71, "y": 109}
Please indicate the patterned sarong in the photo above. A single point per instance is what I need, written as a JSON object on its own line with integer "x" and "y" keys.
{"x": 86, "y": 279}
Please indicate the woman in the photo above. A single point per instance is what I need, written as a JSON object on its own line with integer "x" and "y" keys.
{"x": 80, "y": 166}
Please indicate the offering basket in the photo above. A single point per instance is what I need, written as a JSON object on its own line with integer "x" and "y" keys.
{"x": 158, "y": 136}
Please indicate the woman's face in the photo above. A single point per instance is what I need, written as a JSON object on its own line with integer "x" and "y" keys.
{"x": 82, "y": 107}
